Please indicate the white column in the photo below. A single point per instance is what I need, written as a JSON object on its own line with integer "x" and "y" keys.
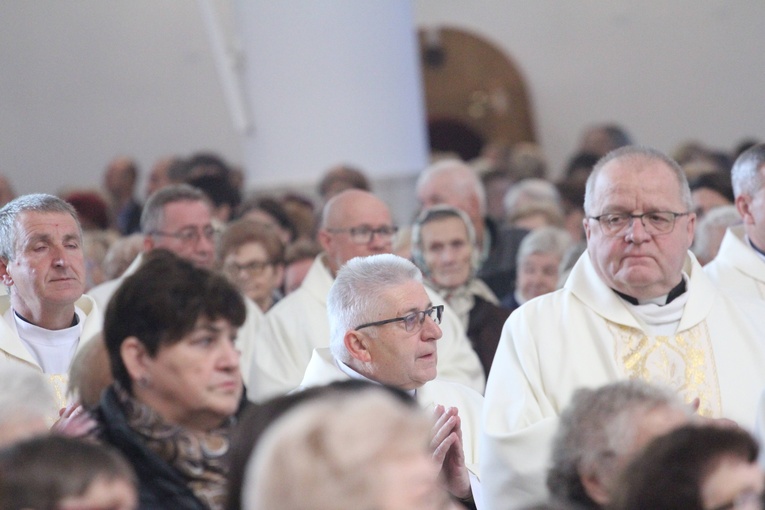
{"x": 331, "y": 81}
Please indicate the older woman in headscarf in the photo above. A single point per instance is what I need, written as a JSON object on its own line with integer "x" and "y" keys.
{"x": 444, "y": 248}
{"x": 169, "y": 331}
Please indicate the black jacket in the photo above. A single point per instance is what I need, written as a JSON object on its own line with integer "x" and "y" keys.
{"x": 160, "y": 485}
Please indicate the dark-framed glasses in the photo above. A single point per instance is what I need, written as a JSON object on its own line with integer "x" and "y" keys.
{"x": 413, "y": 321}
{"x": 253, "y": 268}
{"x": 364, "y": 233}
{"x": 654, "y": 223}
{"x": 190, "y": 235}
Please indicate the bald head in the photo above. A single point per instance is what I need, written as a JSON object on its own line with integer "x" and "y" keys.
{"x": 452, "y": 182}
{"x": 355, "y": 223}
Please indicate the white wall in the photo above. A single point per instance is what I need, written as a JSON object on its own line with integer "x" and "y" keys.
{"x": 82, "y": 81}
{"x": 667, "y": 70}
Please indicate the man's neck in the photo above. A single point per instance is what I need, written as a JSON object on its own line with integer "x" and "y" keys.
{"x": 53, "y": 320}
{"x": 676, "y": 291}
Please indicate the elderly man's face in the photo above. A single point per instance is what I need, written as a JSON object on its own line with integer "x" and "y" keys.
{"x": 188, "y": 232}
{"x": 48, "y": 271}
{"x": 398, "y": 358}
{"x": 635, "y": 262}
{"x": 353, "y": 213}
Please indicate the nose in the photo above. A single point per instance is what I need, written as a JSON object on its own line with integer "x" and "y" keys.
{"x": 58, "y": 256}
{"x": 430, "y": 330}
{"x": 636, "y": 232}
{"x": 229, "y": 355}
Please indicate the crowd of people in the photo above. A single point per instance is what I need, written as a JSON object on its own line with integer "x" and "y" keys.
{"x": 590, "y": 342}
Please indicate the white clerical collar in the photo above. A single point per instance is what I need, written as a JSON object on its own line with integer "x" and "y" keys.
{"x": 359, "y": 377}
{"x": 52, "y": 349}
{"x": 665, "y": 299}
{"x": 759, "y": 252}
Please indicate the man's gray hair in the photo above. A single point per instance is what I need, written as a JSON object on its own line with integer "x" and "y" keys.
{"x": 745, "y": 174}
{"x": 637, "y": 152}
{"x": 596, "y": 426}
{"x": 357, "y": 293}
{"x": 552, "y": 240}
{"x": 153, "y": 215}
{"x": 465, "y": 181}
{"x": 37, "y": 202}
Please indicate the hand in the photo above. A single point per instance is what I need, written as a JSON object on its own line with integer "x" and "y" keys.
{"x": 446, "y": 444}
{"x": 73, "y": 421}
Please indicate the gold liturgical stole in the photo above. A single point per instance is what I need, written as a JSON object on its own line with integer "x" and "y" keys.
{"x": 684, "y": 362}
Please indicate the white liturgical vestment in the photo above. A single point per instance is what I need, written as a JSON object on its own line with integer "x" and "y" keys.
{"x": 322, "y": 369}
{"x": 13, "y": 350}
{"x": 738, "y": 269}
{"x": 585, "y": 335}
{"x": 298, "y": 324}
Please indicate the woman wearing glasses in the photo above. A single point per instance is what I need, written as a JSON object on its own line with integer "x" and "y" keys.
{"x": 252, "y": 258}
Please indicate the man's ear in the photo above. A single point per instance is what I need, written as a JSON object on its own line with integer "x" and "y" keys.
{"x": 357, "y": 345}
{"x": 4, "y": 275}
{"x": 135, "y": 357}
{"x": 594, "y": 487}
{"x": 743, "y": 206}
{"x": 325, "y": 239}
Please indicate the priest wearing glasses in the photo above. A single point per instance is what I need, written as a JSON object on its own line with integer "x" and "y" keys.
{"x": 636, "y": 306}
{"x": 384, "y": 328}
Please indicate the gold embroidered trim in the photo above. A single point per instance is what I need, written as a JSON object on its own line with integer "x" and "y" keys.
{"x": 684, "y": 362}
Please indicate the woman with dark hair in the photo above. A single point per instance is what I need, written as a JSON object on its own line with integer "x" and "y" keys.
{"x": 169, "y": 332}
{"x": 694, "y": 468}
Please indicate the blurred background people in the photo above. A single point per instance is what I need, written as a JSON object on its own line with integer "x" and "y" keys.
{"x": 340, "y": 178}
{"x": 600, "y": 431}
{"x": 251, "y": 255}
{"x": 444, "y": 248}
{"x": 346, "y": 452}
{"x": 120, "y": 180}
{"x": 53, "y": 472}
{"x": 539, "y": 261}
{"x": 694, "y": 467}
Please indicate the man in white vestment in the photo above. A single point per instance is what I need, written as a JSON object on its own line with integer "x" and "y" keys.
{"x": 384, "y": 329}
{"x": 354, "y": 223}
{"x": 637, "y": 305}
{"x": 178, "y": 218}
{"x": 739, "y": 266}
{"x": 44, "y": 313}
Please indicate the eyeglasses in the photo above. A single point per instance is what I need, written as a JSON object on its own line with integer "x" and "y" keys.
{"x": 654, "y": 223}
{"x": 190, "y": 235}
{"x": 413, "y": 321}
{"x": 254, "y": 268}
{"x": 747, "y": 500}
{"x": 364, "y": 234}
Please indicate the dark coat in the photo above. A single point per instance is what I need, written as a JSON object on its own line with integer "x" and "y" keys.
{"x": 485, "y": 323}
{"x": 160, "y": 485}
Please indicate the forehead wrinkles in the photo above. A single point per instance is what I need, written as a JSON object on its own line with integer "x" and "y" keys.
{"x": 629, "y": 181}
